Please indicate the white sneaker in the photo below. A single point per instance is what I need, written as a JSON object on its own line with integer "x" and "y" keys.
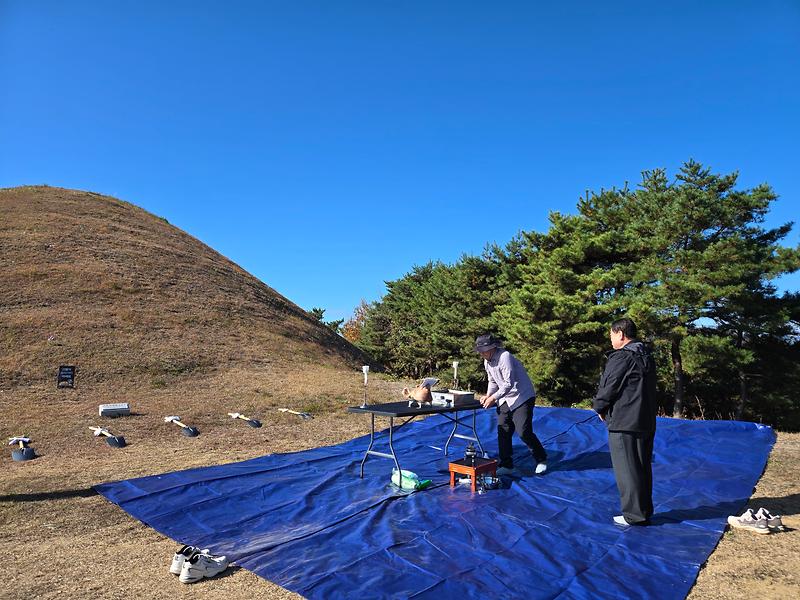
{"x": 179, "y": 557}
{"x": 198, "y": 566}
{"x": 541, "y": 468}
{"x": 749, "y": 521}
{"x": 620, "y": 520}
{"x": 774, "y": 522}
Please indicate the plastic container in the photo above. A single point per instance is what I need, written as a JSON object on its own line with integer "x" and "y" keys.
{"x": 409, "y": 479}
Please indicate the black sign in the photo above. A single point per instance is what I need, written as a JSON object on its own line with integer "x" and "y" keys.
{"x": 66, "y": 376}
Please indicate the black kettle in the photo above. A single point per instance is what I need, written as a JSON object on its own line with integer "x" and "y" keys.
{"x": 470, "y": 454}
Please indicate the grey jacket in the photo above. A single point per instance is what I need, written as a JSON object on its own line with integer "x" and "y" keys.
{"x": 508, "y": 380}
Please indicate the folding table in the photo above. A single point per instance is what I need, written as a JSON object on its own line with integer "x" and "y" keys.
{"x": 402, "y": 410}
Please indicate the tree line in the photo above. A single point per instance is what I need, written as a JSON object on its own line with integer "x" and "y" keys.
{"x": 689, "y": 260}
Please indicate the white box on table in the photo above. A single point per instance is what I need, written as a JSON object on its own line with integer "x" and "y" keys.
{"x": 451, "y": 397}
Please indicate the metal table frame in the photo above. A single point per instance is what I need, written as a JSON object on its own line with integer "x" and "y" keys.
{"x": 394, "y": 410}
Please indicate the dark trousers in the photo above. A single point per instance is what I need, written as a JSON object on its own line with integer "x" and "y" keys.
{"x": 632, "y": 457}
{"x": 520, "y": 420}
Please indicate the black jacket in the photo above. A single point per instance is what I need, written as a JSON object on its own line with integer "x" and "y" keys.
{"x": 626, "y": 396}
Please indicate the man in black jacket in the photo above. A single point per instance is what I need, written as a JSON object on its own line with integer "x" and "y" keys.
{"x": 626, "y": 401}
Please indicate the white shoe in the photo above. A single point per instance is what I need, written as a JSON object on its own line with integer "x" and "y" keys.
{"x": 620, "y": 520}
{"x": 180, "y": 557}
{"x": 750, "y": 521}
{"x": 774, "y": 522}
{"x": 541, "y": 468}
{"x": 199, "y": 566}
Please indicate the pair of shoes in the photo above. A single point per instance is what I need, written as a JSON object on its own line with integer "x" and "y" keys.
{"x": 541, "y": 468}
{"x": 774, "y": 522}
{"x": 507, "y": 471}
{"x": 751, "y": 521}
{"x": 193, "y": 564}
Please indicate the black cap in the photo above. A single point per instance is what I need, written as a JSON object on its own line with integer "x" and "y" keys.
{"x": 487, "y": 342}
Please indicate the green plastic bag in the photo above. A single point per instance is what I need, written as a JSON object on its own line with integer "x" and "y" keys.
{"x": 409, "y": 480}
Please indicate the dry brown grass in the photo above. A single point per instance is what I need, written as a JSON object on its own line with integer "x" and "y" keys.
{"x": 747, "y": 565}
{"x": 153, "y": 317}
{"x": 61, "y": 540}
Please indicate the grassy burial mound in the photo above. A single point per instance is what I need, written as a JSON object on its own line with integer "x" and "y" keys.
{"x": 98, "y": 282}
{"x": 151, "y": 316}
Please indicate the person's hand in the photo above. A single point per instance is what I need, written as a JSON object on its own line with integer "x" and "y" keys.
{"x": 488, "y": 401}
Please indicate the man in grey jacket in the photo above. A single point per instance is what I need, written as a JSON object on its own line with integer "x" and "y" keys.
{"x": 512, "y": 391}
{"x": 626, "y": 401}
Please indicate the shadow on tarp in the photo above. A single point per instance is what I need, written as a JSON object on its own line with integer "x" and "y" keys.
{"x": 307, "y": 522}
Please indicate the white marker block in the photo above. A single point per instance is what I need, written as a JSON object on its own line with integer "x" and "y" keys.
{"x": 121, "y": 409}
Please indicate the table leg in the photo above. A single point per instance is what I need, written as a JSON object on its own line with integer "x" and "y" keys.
{"x": 452, "y": 433}
{"x": 394, "y": 455}
{"x": 452, "y": 478}
{"x": 371, "y": 441}
{"x": 475, "y": 431}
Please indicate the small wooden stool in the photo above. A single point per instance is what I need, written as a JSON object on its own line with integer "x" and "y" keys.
{"x": 465, "y": 467}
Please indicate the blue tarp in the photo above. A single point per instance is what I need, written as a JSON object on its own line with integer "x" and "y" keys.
{"x": 308, "y": 523}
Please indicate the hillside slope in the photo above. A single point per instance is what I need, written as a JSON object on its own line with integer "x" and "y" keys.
{"x": 152, "y": 317}
{"x": 96, "y": 282}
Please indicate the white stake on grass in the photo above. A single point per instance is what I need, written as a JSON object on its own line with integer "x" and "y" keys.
{"x": 305, "y": 415}
{"x": 22, "y": 440}
{"x": 115, "y": 441}
{"x": 248, "y": 420}
{"x": 185, "y": 429}
{"x": 24, "y": 452}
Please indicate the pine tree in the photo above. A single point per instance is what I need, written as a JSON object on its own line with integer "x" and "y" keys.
{"x": 557, "y": 313}
{"x": 689, "y": 260}
{"x": 704, "y": 247}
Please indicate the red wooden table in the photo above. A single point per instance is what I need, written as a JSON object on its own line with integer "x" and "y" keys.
{"x": 473, "y": 468}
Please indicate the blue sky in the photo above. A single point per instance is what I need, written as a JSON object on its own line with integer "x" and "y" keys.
{"x": 329, "y": 146}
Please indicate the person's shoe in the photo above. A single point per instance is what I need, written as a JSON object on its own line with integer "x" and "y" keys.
{"x": 621, "y": 520}
{"x": 774, "y": 522}
{"x": 198, "y": 566}
{"x": 541, "y": 468}
{"x": 749, "y": 521}
{"x": 180, "y": 557}
{"x": 507, "y": 471}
